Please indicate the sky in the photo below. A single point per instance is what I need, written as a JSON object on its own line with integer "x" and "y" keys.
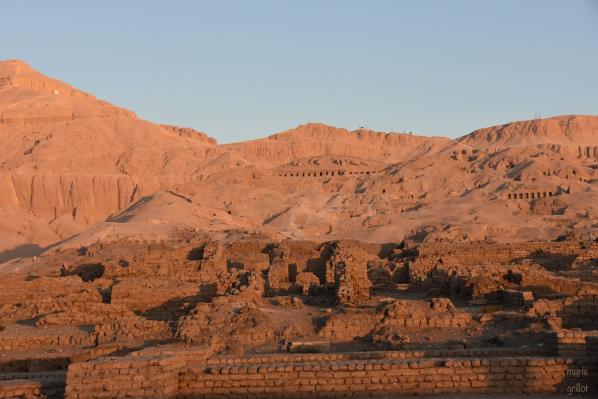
{"x": 239, "y": 70}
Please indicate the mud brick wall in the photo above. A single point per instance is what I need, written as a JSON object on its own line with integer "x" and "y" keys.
{"x": 132, "y": 328}
{"x": 517, "y": 298}
{"x": 13, "y": 340}
{"x": 438, "y": 312}
{"x": 14, "y": 364}
{"x": 346, "y": 271}
{"x": 372, "y": 355}
{"x": 374, "y": 377}
{"x": 580, "y": 312}
{"x": 381, "y": 277}
{"x": 465, "y": 255}
{"x": 571, "y": 344}
{"x": 435, "y": 273}
{"x": 132, "y": 376}
{"x": 314, "y": 375}
{"x": 20, "y": 388}
{"x": 456, "y": 319}
{"x": 43, "y": 384}
{"x": 590, "y": 253}
{"x": 349, "y": 326}
{"x": 278, "y": 277}
{"x": 86, "y": 313}
{"x": 153, "y": 262}
{"x": 16, "y": 290}
{"x": 42, "y": 296}
{"x": 247, "y": 255}
{"x": 142, "y": 293}
{"x": 563, "y": 285}
{"x": 498, "y": 252}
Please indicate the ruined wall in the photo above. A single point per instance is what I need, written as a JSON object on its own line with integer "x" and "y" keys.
{"x": 439, "y": 312}
{"x": 25, "y": 389}
{"x": 342, "y": 379}
{"x": 43, "y": 295}
{"x": 517, "y": 298}
{"x": 169, "y": 376}
{"x": 140, "y": 377}
{"x": 132, "y": 328}
{"x": 81, "y": 313}
{"x": 483, "y": 265}
{"x": 348, "y": 326}
{"x": 143, "y": 293}
{"x": 580, "y": 312}
{"x": 23, "y": 343}
{"x": 347, "y": 273}
{"x": 476, "y": 252}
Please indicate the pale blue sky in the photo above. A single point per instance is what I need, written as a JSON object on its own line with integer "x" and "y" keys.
{"x": 244, "y": 69}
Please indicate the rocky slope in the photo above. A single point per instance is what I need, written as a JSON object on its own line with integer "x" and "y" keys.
{"x": 76, "y": 166}
{"x": 561, "y": 131}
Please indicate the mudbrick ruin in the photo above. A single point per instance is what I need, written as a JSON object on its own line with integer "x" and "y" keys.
{"x": 196, "y": 317}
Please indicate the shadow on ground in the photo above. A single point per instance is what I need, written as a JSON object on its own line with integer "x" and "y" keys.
{"x": 21, "y": 251}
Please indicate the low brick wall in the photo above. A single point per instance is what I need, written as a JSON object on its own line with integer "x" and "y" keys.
{"x": 131, "y": 376}
{"x": 580, "y": 312}
{"x": 40, "y": 384}
{"x": 517, "y": 298}
{"x": 372, "y": 355}
{"x": 376, "y": 377}
{"x": 18, "y": 339}
{"x": 577, "y": 344}
{"x": 25, "y": 389}
{"x": 181, "y": 376}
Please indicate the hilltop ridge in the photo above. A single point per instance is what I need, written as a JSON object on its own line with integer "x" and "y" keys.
{"x": 562, "y": 130}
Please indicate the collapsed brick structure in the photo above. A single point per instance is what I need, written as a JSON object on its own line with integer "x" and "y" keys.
{"x": 346, "y": 272}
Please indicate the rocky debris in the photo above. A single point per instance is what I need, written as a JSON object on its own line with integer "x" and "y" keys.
{"x": 388, "y": 338}
{"x": 226, "y": 325}
{"x": 293, "y": 301}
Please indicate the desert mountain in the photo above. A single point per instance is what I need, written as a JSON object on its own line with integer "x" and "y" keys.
{"x": 567, "y": 131}
{"x": 316, "y": 139}
{"x": 78, "y": 169}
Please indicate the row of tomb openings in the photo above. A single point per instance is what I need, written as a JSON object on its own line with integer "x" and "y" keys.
{"x": 590, "y": 152}
{"x": 325, "y": 173}
{"x": 539, "y": 194}
{"x": 573, "y": 172}
{"x": 532, "y": 195}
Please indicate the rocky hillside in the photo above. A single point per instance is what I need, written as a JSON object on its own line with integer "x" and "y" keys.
{"x": 569, "y": 130}
{"x": 70, "y": 161}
